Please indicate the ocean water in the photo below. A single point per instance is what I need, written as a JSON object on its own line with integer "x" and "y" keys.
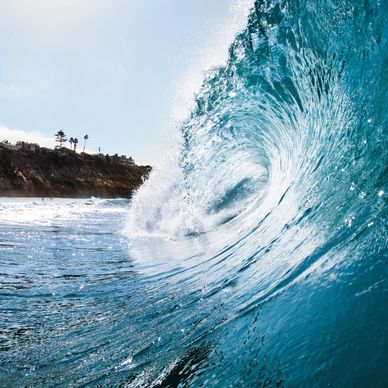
{"x": 255, "y": 256}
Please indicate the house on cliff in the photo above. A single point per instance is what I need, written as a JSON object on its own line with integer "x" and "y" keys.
{"x": 6, "y": 145}
{"x": 30, "y": 147}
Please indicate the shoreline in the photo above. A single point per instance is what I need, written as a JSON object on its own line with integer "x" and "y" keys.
{"x": 32, "y": 198}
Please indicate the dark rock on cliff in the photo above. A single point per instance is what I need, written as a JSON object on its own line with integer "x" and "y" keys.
{"x": 63, "y": 173}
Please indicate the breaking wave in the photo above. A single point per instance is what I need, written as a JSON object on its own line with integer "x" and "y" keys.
{"x": 275, "y": 206}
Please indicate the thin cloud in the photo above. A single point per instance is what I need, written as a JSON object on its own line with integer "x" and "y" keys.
{"x": 14, "y": 135}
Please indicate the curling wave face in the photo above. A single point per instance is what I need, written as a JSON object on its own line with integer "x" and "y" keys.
{"x": 278, "y": 194}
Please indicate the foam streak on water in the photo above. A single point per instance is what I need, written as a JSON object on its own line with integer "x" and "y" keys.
{"x": 257, "y": 257}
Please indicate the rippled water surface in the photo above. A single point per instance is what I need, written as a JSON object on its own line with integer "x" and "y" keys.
{"x": 78, "y": 308}
{"x": 256, "y": 256}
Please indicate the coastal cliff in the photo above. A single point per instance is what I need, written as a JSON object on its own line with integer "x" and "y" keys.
{"x": 64, "y": 173}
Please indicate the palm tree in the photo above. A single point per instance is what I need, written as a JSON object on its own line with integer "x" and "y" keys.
{"x": 75, "y": 142}
{"x": 86, "y": 137}
{"x": 71, "y": 141}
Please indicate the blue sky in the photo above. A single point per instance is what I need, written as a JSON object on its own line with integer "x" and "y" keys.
{"x": 120, "y": 70}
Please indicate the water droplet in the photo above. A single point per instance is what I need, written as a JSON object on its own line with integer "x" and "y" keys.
{"x": 128, "y": 361}
{"x": 349, "y": 221}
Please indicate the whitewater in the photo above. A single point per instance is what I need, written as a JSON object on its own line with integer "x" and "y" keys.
{"x": 256, "y": 255}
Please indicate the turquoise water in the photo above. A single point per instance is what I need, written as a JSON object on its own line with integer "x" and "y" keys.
{"x": 255, "y": 257}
